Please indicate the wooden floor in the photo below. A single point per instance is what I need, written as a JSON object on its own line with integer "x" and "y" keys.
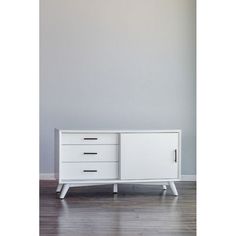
{"x": 135, "y": 210}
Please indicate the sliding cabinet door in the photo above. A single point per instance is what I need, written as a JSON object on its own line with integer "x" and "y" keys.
{"x": 149, "y": 156}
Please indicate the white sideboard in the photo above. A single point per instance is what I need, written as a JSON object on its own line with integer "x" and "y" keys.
{"x": 98, "y": 157}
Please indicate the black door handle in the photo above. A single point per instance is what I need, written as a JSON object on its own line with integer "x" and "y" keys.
{"x": 175, "y": 155}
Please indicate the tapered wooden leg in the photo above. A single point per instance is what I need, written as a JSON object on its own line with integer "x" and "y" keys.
{"x": 59, "y": 187}
{"x": 64, "y": 190}
{"x": 164, "y": 187}
{"x": 173, "y": 188}
{"x": 115, "y": 188}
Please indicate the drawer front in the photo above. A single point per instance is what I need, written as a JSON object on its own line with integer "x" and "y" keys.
{"x": 88, "y": 171}
{"x": 88, "y": 153}
{"x": 87, "y": 138}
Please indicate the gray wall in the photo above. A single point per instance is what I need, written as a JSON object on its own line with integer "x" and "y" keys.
{"x": 117, "y": 64}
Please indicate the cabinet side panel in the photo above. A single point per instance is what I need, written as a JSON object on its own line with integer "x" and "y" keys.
{"x": 56, "y": 152}
{"x": 180, "y": 154}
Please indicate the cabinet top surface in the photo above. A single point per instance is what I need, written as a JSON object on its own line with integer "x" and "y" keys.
{"x": 118, "y": 131}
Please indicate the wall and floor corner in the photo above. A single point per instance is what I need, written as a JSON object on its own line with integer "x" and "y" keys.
{"x": 112, "y": 64}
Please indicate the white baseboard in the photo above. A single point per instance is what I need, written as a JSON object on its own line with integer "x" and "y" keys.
{"x": 188, "y": 178}
{"x": 51, "y": 176}
{"x": 47, "y": 176}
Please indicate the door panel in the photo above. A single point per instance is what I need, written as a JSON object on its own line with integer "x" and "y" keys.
{"x": 149, "y": 156}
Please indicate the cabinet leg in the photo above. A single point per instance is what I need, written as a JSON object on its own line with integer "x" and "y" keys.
{"x": 173, "y": 188}
{"x": 64, "y": 190}
{"x": 164, "y": 187}
{"x": 59, "y": 187}
{"x": 115, "y": 188}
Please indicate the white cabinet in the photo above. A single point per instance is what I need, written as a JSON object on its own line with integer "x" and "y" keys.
{"x": 95, "y": 157}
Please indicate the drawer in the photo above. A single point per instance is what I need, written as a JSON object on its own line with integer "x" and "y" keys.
{"x": 88, "y": 153}
{"x": 88, "y": 138}
{"x": 88, "y": 171}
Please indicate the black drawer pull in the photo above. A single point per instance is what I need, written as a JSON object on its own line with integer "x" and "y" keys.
{"x": 90, "y": 153}
{"x": 90, "y": 138}
{"x": 90, "y": 170}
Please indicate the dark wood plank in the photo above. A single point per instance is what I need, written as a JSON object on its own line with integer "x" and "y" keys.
{"x": 135, "y": 210}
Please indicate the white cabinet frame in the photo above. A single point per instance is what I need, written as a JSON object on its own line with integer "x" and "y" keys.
{"x": 64, "y": 185}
